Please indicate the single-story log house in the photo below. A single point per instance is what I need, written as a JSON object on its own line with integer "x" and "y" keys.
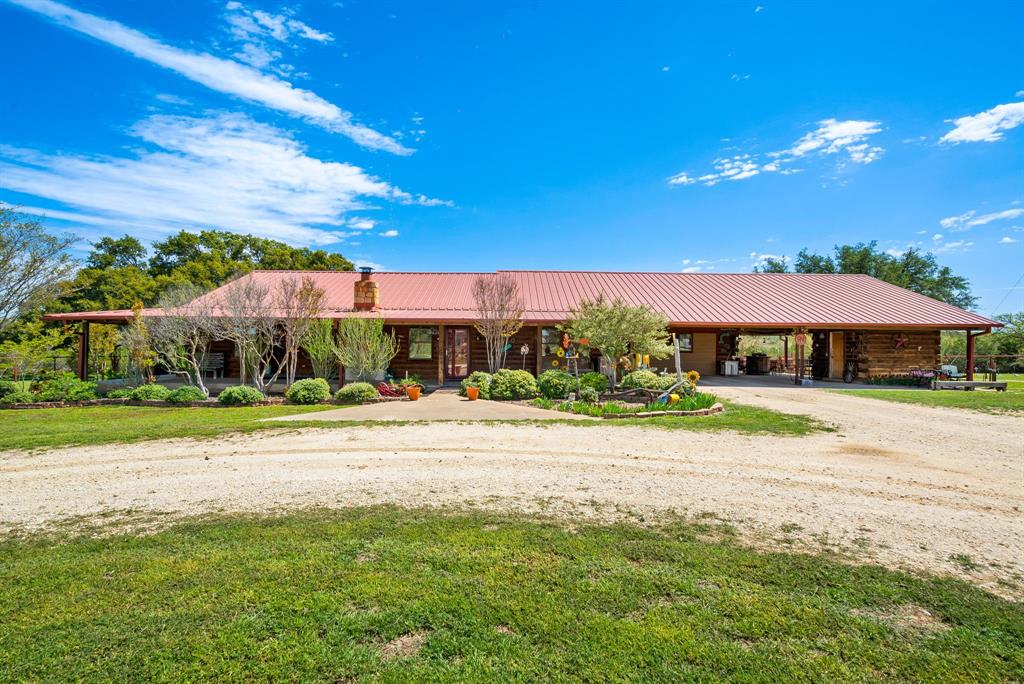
{"x": 888, "y": 330}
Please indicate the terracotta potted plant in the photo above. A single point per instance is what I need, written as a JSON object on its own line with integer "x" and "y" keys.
{"x": 413, "y": 392}
{"x": 472, "y": 393}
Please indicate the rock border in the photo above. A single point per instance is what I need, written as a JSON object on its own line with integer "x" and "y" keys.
{"x": 715, "y": 408}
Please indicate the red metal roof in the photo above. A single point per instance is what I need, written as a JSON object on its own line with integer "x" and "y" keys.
{"x": 699, "y": 300}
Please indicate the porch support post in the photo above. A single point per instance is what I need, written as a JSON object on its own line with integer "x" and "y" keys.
{"x": 440, "y": 354}
{"x": 970, "y": 351}
{"x": 785, "y": 352}
{"x": 341, "y": 366}
{"x": 83, "y": 351}
{"x": 540, "y": 338}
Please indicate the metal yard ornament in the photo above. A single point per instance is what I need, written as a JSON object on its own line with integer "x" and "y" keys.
{"x": 523, "y": 351}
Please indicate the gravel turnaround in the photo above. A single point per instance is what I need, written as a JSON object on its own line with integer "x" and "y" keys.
{"x": 906, "y": 486}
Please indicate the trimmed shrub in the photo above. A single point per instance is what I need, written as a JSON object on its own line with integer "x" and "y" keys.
{"x": 356, "y": 393}
{"x": 479, "y": 379}
{"x": 555, "y": 384}
{"x": 240, "y": 395}
{"x": 665, "y": 382}
{"x": 588, "y": 395}
{"x": 150, "y": 392}
{"x": 66, "y": 387}
{"x": 7, "y": 387}
{"x": 309, "y": 391}
{"x": 19, "y": 397}
{"x": 640, "y": 379}
{"x": 120, "y": 393}
{"x": 186, "y": 394}
{"x": 596, "y": 381}
{"x": 513, "y": 384}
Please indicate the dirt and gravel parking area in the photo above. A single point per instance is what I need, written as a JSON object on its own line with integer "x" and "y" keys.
{"x": 907, "y": 486}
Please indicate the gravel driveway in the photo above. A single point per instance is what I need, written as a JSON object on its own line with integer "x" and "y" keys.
{"x": 903, "y": 485}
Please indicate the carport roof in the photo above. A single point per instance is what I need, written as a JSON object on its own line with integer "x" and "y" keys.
{"x": 697, "y": 300}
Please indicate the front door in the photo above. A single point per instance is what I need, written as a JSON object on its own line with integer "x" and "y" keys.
{"x": 836, "y": 354}
{"x": 456, "y": 353}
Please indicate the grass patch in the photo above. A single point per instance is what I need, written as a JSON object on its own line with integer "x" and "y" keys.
{"x": 396, "y": 595}
{"x": 59, "y": 427}
{"x": 986, "y": 401}
{"x": 63, "y": 427}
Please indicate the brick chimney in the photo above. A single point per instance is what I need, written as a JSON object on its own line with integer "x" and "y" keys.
{"x": 366, "y": 291}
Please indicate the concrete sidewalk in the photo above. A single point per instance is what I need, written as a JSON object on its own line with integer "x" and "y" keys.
{"x": 442, "y": 404}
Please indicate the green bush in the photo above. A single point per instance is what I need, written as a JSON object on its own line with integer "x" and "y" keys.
{"x": 66, "y": 387}
{"x": 693, "y": 402}
{"x": 310, "y": 391}
{"x": 513, "y": 384}
{"x": 596, "y": 381}
{"x": 19, "y": 397}
{"x": 666, "y": 382}
{"x": 588, "y": 395}
{"x": 356, "y": 393}
{"x": 186, "y": 395}
{"x": 150, "y": 392}
{"x": 555, "y": 384}
{"x": 120, "y": 393}
{"x": 640, "y": 379}
{"x": 240, "y": 395}
{"x": 481, "y": 380}
{"x": 8, "y": 387}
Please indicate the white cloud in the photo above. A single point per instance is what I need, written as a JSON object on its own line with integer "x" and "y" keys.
{"x": 848, "y": 139}
{"x": 1006, "y": 240}
{"x": 389, "y": 233}
{"x": 987, "y": 126}
{"x": 955, "y": 246}
{"x": 224, "y": 170}
{"x": 739, "y": 77}
{"x": 758, "y": 9}
{"x": 255, "y": 31}
{"x": 969, "y": 219}
{"x": 223, "y": 75}
{"x": 937, "y": 236}
{"x": 361, "y": 263}
{"x": 759, "y": 259}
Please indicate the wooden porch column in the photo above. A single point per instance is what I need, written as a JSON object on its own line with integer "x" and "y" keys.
{"x": 341, "y": 366}
{"x": 83, "y": 351}
{"x": 540, "y": 338}
{"x": 440, "y": 355}
{"x": 970, "y": 351}
{"x": 785, "y": 352}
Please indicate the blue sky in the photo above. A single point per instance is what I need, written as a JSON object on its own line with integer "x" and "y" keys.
{"x": 472, "y": 136}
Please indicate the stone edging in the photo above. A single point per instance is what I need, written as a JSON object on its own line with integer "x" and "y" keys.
{"x": 716, "y": 408}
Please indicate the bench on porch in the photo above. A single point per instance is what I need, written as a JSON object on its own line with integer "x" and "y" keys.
{"x": 968, "y": 385}
{"x": 213, "y": 364}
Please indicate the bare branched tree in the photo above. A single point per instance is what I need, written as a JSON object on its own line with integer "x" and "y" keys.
{"x": 181, "y": 333}
{"x": 299, "y": 302}
{"x": 499, "y": 310}
{"x": 32, "y": 263}
{"x": 365, "y": 349}
{"x": 249, "y": 320}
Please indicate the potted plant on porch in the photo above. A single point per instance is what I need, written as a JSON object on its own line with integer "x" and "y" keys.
{"x": 413, "y": 387}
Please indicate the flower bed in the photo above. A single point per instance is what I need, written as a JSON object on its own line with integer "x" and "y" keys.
{"x": 714, "y": 408}
{"x": 699, "y": 404}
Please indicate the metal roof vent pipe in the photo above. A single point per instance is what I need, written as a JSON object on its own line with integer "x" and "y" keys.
{"x": 366, "y": 292}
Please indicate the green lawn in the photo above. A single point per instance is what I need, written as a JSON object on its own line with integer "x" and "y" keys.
{"x": 57, "y": 427}
{"x": 988, "y": 401}
{"x": 391, "y": 595}
{"x": 43, "y": 428}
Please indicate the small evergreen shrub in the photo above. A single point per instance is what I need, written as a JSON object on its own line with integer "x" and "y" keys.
{"x": 309, "y": 391}
{"x": 7, "y": 387}
{"x": 150, "y": 392}
{"x": 66, "y": 387}
{"x": 640, "y": 379}
{"x": 19, "y": 397}
{"x": 356, "y": 393}
{"x": 555, "y": 384}
{"x": 186, "y": 395}
{"x": 513, "y": 384}
{"x": 596, "y": 381}
{"x": 666, "y": 382}
{"x": 588, "y": 395}
{"x": 240, "y": 395}
{"x": 120, "y": 393}
{"x": 480, "y": 380}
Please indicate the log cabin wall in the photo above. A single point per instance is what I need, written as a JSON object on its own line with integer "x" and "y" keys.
{"x": 703, "y": 358}
{"x": 425, "y": 368}
{"x": 888, "y": 353}
{"x": 513, "y": 360}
